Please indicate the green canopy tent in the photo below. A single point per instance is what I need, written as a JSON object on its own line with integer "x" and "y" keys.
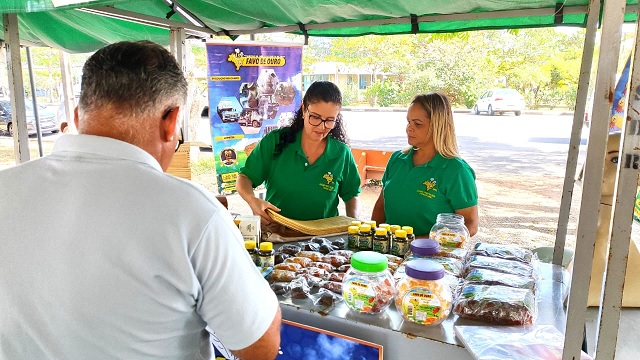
{"x": 78, "y": 27}
{"x": 82, "y": 26}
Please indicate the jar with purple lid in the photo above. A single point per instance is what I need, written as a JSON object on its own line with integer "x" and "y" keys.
{"x": 423, "y": 295}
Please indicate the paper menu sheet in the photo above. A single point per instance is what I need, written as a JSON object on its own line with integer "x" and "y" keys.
{"x": 534, "y": 342}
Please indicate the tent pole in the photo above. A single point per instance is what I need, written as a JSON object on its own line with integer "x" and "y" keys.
{"x": 16, "y": 87}
{"x": 177, "y": 39}
{"x": 623, "y": 204}
{"x": 576, "y": 131}
{"x": 613, "y": 16}
{"x": 34, "y": 99}
{"x": 68, "y": 96}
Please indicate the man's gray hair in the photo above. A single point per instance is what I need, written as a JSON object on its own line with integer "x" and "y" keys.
{"x": 138, "y": 78}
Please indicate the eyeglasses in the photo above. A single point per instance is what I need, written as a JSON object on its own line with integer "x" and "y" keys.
{"x": 316, "y": 120}
{"x": 180, "y": 140}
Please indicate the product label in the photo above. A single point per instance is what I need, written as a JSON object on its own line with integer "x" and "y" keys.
{"x": 352, "y": 241}
{"x": 266, "y": 261}
{"x": 449, "y": 239}
{"x": 359, "y": 295}
{"x": 365, "y": 242}
{"x": 421, "y": 306}
{"x": 381, "y": 246}
{"x": 399, "y": 248}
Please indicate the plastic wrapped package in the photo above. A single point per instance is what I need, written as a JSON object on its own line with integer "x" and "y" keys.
{"x": 290, "y": 249}
{"x": 280, "y": 257}
{"x": 322, "y": 265}
{"x": 500, "y": 265}
{"x": 507, "y": 252}
{"x": 490, "y": 277}
{"x": 535, "y": 342}
{"x": 335, "y": 260}
{"x": 288, "y": 266}
{"x": 325, "y": 297}
{"x": 334, "y": 276}
{"x": 300, "y": 289}
{"x": 313, "y": 255}
{"x": 282, "y": 275}
{"x": 346, "y": 253}
{"x": 311, "y": 280}
{"x": 333, "y": 286}
{"x": 314, "y": 271}
{"x": 496, "y": 304}
{"x": 303, "y": 261}
{"x": 281, "y": 288}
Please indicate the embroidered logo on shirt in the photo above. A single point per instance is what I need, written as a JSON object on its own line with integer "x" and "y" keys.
{"x": 328, "y": 177}
{"x": 430, "y": 188}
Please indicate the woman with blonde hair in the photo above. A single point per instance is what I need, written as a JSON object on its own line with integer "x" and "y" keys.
{"x": 429, "y": 177}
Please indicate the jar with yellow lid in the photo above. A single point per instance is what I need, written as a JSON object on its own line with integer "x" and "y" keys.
{"x": 250, "y": 245}
{"x": 365, "y": 238}
{"x": 423, "y": 297}
{"x": 410, "y": 234}
{"x": 381, "y": 241}
{"x": 352, "y": 237}
{"x": 400, "y": 245}
{"x": 266, "y": 254}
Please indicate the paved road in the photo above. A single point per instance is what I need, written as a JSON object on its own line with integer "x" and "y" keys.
{"x": 523, "y": 144}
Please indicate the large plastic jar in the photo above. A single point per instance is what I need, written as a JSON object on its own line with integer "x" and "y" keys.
{"x": 418, "y": 249}
{"x": 449, "y": 230}
{"x": 367, "y": 286}
{"x": 423, "y": 297}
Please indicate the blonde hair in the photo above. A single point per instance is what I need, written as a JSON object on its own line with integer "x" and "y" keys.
{"x": 438, "y": 109}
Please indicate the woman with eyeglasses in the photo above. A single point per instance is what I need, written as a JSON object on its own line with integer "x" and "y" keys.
{"x": 429, "y": 177}
{"x": 306, "y": 166}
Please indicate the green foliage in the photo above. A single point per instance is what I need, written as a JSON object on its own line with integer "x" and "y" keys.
{"x": 381, "y": 93}
{"x": 349, "y": 95}
{"x": 543, "y": 64}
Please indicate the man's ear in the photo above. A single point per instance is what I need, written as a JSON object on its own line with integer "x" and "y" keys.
{"x": 168, "y": 125}
{"x": 75, "y": 116}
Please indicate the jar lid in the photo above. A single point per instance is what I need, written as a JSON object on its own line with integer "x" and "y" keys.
{"x": 365, "y": 227}
{"x": 369, "y": 261}
{"x": 249, "y": 244}
{"x": 355, "y": 223}
{"x": 266, "y": 246}
{"x": 408, "y": 229}
{"x": 424, "y": 247}
{"x": 401, "y": 233}
{"x": 424, "y": 269}
{"x": 381, "y": 231}
{"x": 353, "y": 229}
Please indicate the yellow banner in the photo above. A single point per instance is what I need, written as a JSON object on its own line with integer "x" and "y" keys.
{"x": 224, "y": 78}
{"x": 228, "y": 177}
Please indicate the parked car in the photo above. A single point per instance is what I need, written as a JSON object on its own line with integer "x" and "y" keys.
{"x": 499, "y": 101}
{"x": 47, "y": 117}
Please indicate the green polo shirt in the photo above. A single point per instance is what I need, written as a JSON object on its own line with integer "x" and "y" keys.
{"x": 303, "y": 191}
{"x": 415, "y": 195}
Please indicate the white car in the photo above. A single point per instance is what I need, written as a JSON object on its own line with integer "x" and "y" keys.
{"x": 500, "y": 101}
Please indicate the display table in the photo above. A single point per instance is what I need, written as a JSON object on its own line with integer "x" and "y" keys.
{"x": 406, "y": 340}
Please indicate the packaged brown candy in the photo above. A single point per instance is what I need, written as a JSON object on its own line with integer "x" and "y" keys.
{"x": 299, "y": 260}
{"x": 496, "y": 304}
{"x": 290, "y": 249}
{"x": 503, "y": 251}
{"x": 281, "y": 288}
{"x": 282, "y": 275}
{"x": 288, "y": 266}
{"x": 313, "y": 255}
{"x": 322, "y": 265}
